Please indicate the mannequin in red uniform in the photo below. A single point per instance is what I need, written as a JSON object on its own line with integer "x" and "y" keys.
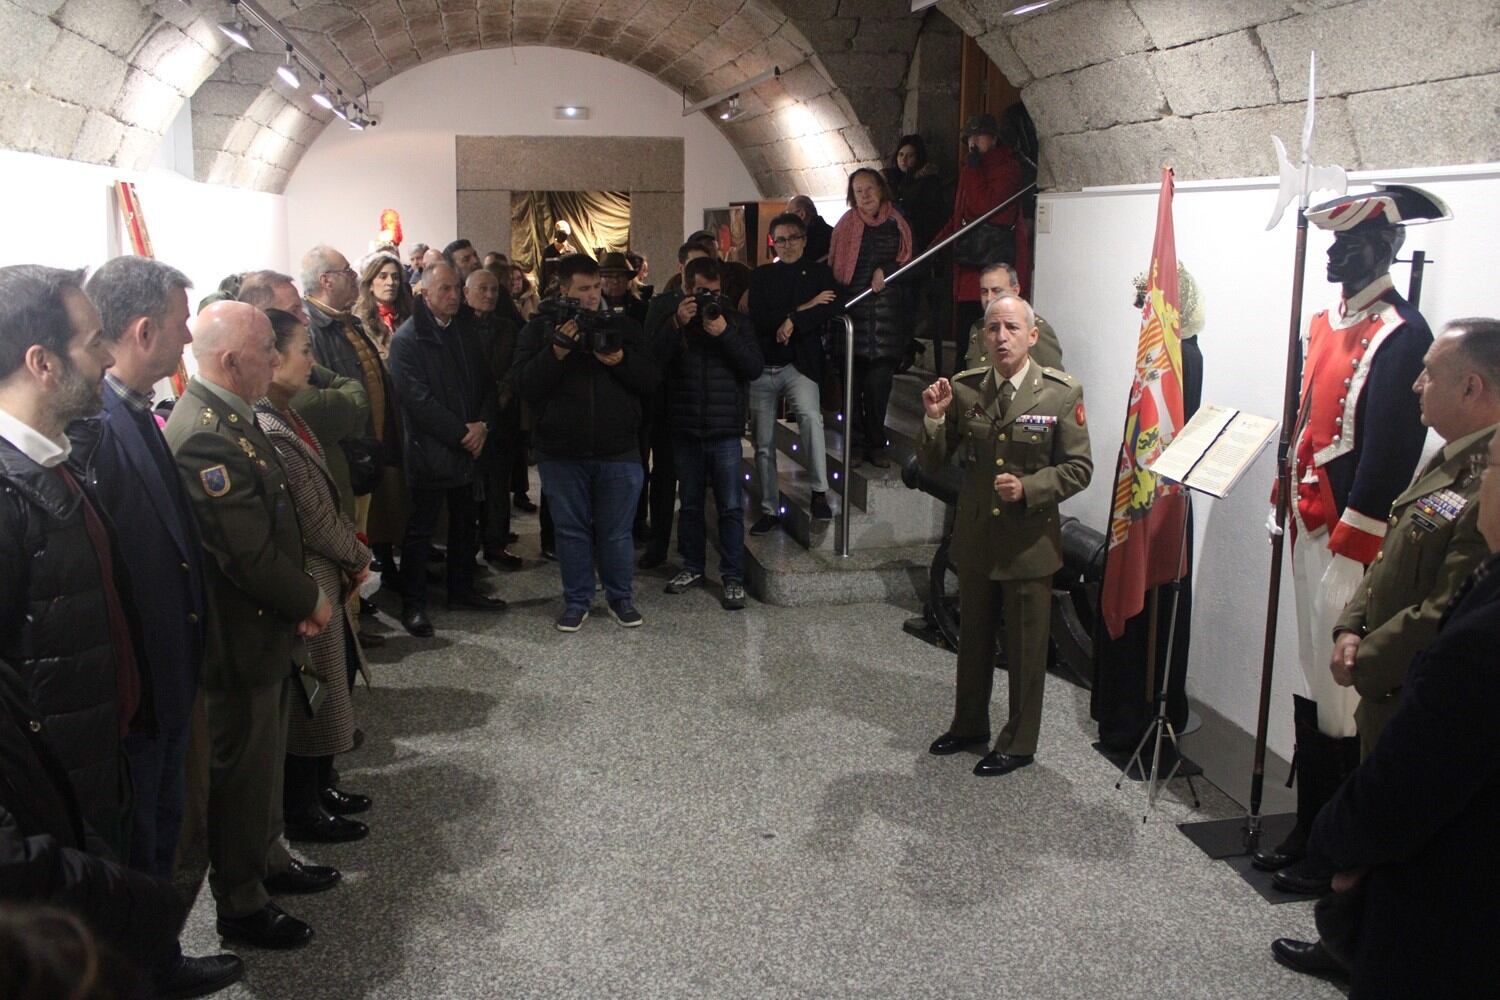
{"x": 1359, "y": 439}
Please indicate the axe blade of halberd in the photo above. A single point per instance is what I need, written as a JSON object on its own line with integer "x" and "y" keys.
{"x": 1320, "y": 177}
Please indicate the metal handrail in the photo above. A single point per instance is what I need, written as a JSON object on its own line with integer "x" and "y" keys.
{"x": 843, "y": 545}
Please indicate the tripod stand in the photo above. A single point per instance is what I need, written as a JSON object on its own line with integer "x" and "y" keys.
{"x": 1161, "y": 726}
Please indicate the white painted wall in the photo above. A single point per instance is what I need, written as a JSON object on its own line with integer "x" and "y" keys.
{"x": 64, "y": 215}
{"x": 407, "y": 163}
{"x": 1100, "y": 239}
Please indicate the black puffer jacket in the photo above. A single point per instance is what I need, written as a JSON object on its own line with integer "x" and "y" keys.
{"x": 48, "y": 856}
{"x": 882, "y": 323}
{"x": 582, "y": 408}
{"x": 708, "y": 378}
{"x": 443, "y": 383}
{"x": 54, "y": 629}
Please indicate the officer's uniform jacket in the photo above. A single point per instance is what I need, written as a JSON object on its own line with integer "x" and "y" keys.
{"x": 1359, "y": 430}
{"x": 257, "y": 588}
{"x": 1042, "y": 439}
{"x": 1432, "y": 546}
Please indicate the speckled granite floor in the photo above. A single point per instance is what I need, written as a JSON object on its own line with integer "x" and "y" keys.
{"x": 724, "y": 805}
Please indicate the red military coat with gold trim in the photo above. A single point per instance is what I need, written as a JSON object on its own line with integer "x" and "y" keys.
{"x": 1359, "y": 427}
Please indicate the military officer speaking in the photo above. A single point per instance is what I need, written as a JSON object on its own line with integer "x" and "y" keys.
{"x": 1432, "y": 546}
{"x": 1019, "y": 430}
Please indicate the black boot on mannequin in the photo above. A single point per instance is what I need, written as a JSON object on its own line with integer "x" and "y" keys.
{"x": 1304, "y": 766}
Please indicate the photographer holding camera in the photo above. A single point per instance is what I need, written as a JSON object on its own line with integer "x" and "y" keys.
{"x": 709, "y": 355}
{"x": 585, "y": 371}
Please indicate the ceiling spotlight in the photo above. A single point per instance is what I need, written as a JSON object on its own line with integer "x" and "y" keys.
{"x": 321, "y": 98}
{"x": 732, "y": 110}
{"x": 571, "y": 113}
{"x": 234, "y": 29}
{"x": 341, "y": 107}
{"x": 288, "y": 71}
{"x": 357, "y": 121}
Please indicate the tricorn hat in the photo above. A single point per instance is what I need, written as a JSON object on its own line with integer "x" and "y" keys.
{"x": 980, "y": 125}
{"x": 615, "y": 261}
{"x": 1387, "y": 205}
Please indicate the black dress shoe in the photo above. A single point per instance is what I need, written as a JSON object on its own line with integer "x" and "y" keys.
{"x": 325, "y": 829}
{"x": 342, "y": 803}
{"x": 948, "y": 743}
{"x": 503, "y": 558}
{"x": 198, "y": 977}
{"x": 549, "y": 554}
{"x": 302, "y": 878}
{"x": 996, "y": 763}
{"x": 651, "y": 558}
{"x": 523, "y": 502}
{"x": 268, "y": 927}
{"x": 371, "y": 640}
{"x": 877, "y": 458}
{"x": 1309, "y": 958}
{"x": 1308, "y": 877}
{"x": 415, "y": 621}
{"x": 475, "y": 601}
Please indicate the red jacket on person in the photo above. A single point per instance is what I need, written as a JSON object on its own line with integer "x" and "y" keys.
{"x": 981, "y": 188}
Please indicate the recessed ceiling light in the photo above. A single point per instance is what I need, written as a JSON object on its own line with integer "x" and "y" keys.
{"x": 571, "y": 113}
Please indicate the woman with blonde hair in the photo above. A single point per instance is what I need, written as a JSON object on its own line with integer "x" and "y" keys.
{"x": 523, "y": 293}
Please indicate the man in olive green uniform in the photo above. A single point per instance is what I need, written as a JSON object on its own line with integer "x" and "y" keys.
{"x": 260, "y": 605}
{"x": 1019, "y": 429}
{"x": 1433, "y": 541}
{"x": 1432, "y": 544}
{"x": 995, "y": 281}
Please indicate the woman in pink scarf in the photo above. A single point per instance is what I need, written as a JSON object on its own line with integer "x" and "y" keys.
{"x": 869, "y": 242}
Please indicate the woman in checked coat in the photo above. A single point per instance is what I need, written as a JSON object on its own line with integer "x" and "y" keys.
{"x": 322, "y": 723}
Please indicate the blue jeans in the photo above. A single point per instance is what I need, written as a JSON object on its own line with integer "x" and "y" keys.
{"x": 593, "y": 506}
{"x": 700, "y": 462}
{"x": 802, "y": 392}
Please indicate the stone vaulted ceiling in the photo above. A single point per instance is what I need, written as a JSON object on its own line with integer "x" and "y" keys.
{"x": 1116, "y": 87}
{"x": 131, "y": 64}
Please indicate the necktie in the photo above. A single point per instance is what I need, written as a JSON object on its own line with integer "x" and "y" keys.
{"x": 1007, "y": 393}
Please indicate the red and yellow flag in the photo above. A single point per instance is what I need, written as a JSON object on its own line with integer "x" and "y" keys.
{"x": 1146, "y": 516}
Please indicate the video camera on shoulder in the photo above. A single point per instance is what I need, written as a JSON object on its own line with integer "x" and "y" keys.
{"x": 710, "y": 305}
{"x": 599, "y": 330}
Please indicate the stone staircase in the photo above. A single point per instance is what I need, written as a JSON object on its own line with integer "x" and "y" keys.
{"x": 893, "y": 532}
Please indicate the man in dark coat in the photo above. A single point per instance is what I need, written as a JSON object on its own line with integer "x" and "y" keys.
{"x": 587, "y": 399}
{"x": 448, "y": 403}
{"x": 790, "y": 300}
{"x": 71, "y": 685}
{"x": 66, "y": 622}
{"x": 819, "y": 232}
{"x": 709, "y": 356}
{"x": 1413, "y": 828}
{"x": 143, "y": 309}
{"x": 49, "y": 856}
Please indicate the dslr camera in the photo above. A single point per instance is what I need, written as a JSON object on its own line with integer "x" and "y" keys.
{"x": 599, "y": 330}
{"x": 710, "y": 305}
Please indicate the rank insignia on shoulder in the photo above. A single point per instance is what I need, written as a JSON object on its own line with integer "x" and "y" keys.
{"x": 215, "y": 480}
{"x": 234, "y": 418}
{"x": 207, "y": 417}
{"x": 973, "y": 371}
